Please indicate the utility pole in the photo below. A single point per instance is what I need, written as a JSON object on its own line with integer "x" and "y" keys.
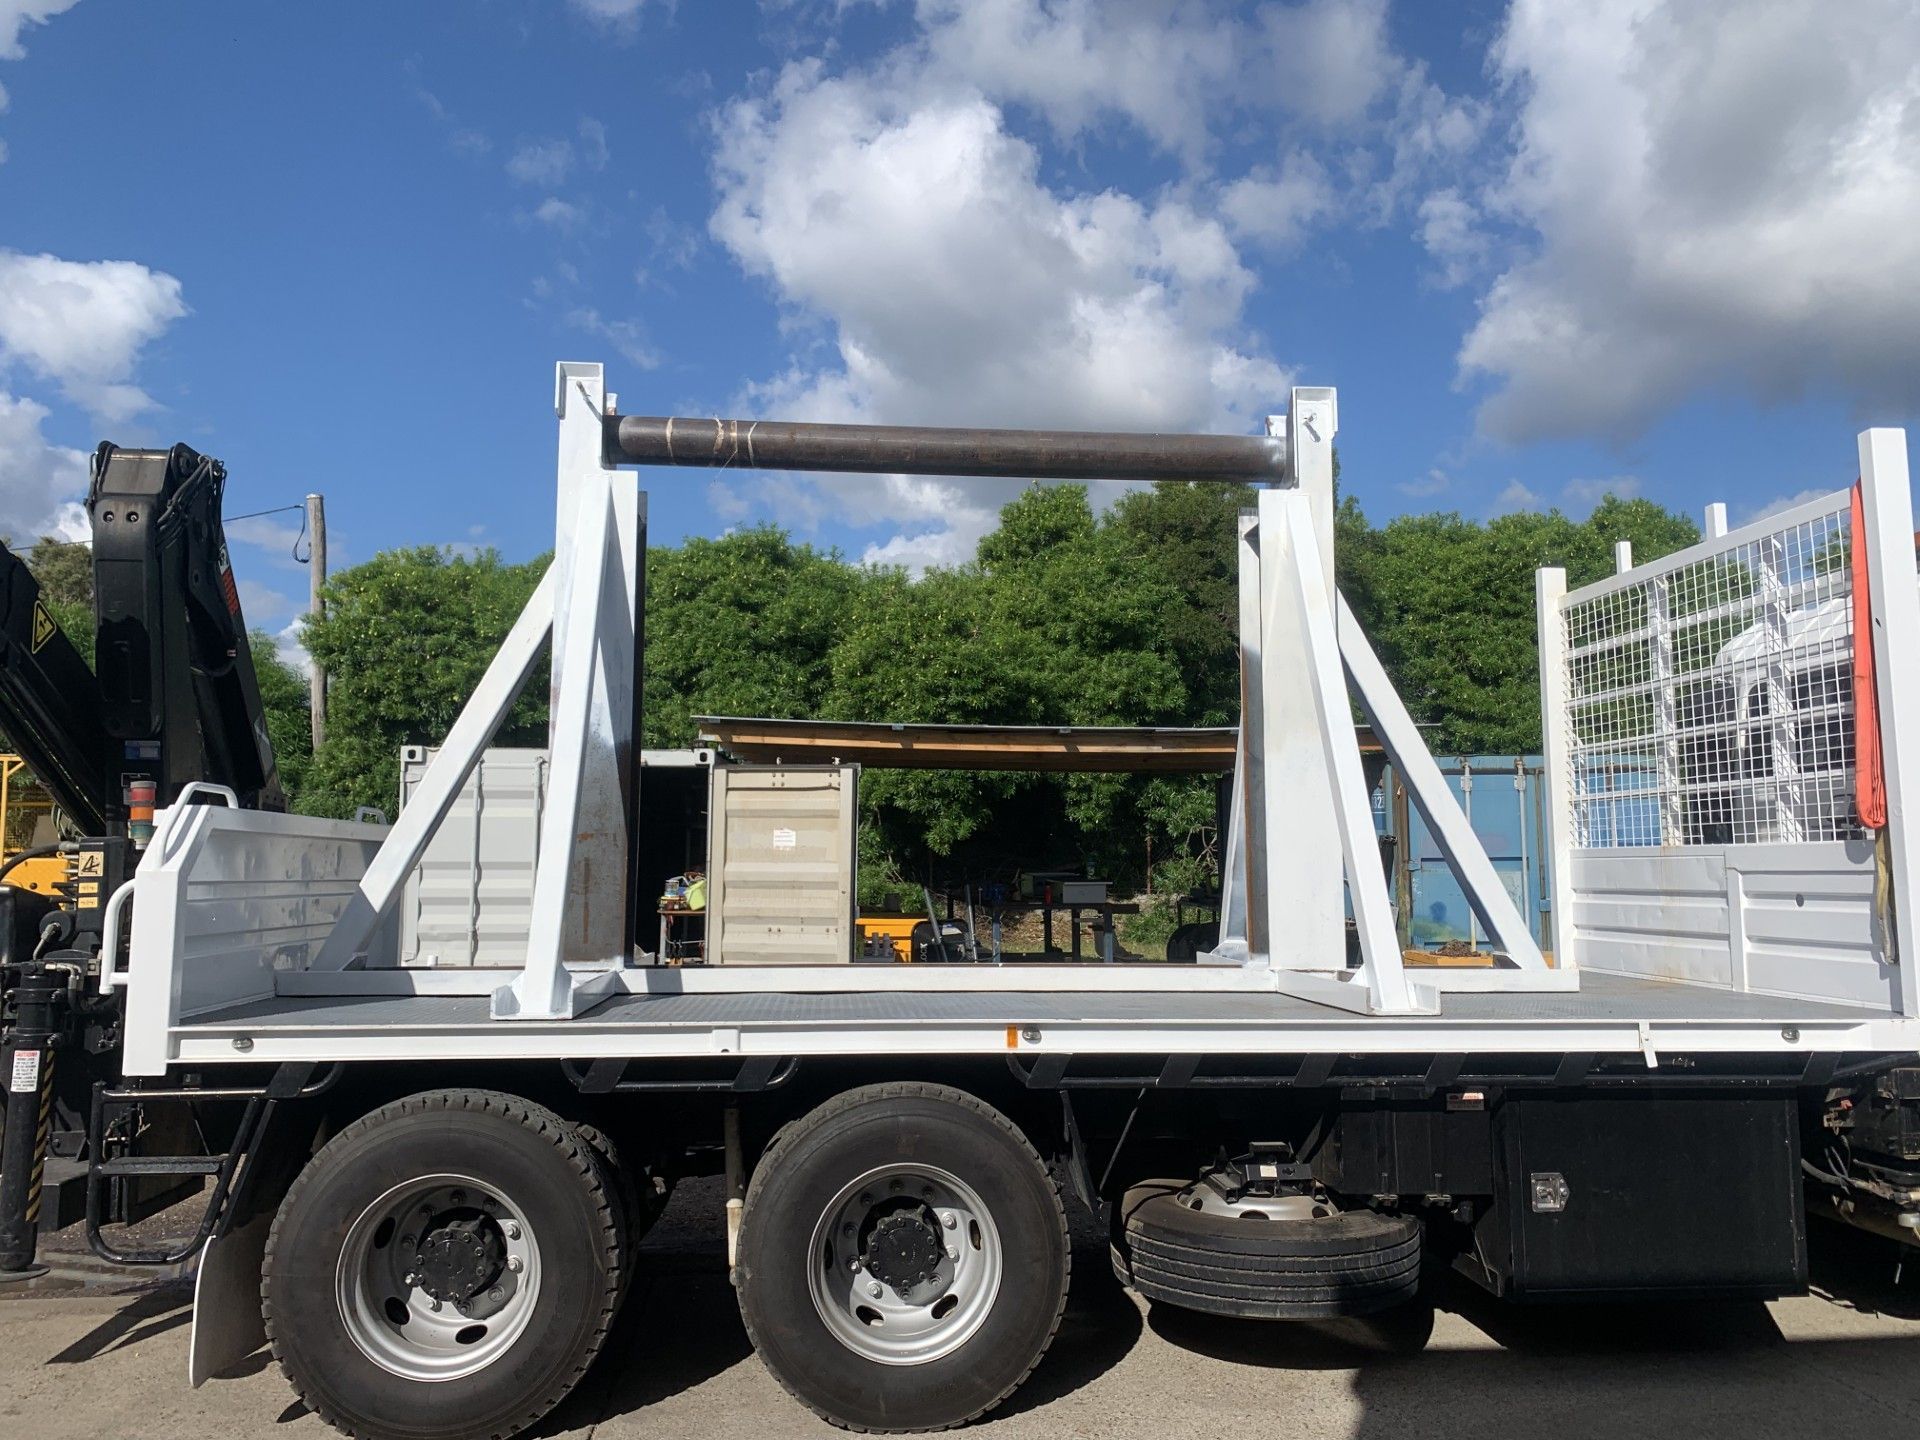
{"x": 317, "y": 610}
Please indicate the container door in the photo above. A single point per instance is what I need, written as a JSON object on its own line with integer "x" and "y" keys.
{"x": 781, "y": 886}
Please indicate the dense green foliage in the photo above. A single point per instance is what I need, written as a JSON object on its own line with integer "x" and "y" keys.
{"x": 1064, "y": 617}
{"x": 405, "y": 640}
{"x": 65, "y": 573}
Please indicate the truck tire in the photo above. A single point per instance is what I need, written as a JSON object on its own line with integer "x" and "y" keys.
{"x": 445, "y": 1267}
{"x": 1186, "y": 942}
{"x": 1353, "y": 1262}
{"x": 903, "y": 1258}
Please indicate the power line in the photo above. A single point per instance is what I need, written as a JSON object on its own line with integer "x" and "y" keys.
{"x": 225, "y": 519}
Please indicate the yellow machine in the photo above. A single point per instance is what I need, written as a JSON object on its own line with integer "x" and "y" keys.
{"x": 26, "y": 822}
{"x": 897, "y": 928}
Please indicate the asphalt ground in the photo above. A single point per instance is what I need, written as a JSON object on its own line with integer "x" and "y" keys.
{"x": 109, "y": 1360}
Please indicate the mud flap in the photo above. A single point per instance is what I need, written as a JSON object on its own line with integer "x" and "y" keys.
{"x": 226, "y": 1301}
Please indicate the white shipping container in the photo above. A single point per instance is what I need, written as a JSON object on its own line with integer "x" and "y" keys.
{"x": 469, "y": 901}
{"x": 781, "y": 888}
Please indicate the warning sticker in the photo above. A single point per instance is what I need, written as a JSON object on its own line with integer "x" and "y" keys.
{"x": 26, "y": 1072}
{"x": 44, "y": 628}
{"x": 785, "y": 839}
{"x": 90, "y": 862}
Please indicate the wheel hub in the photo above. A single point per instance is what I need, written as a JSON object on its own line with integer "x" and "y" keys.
{"x": 904, "y": 1250}
{"x": 460, "y": 1256}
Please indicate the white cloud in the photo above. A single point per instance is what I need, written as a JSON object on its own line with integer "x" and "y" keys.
{"x": 1434, "y": 482}
{"x": 1581, "y": 496}
{"x": 1450, "y": 232}
{"x": 541, "y": 162}
{"x": 895, "y": 211}
{"x": 629, "y": 337}
{"x": 17, "y": 15}
{"x": 725, "y": 501}
{"x": 1516, "y": 496}
{"x": 558, "y": 213}
{"x": 1717, "y": 198}
{"x": 593, "y": 144}
{"x": 1748, "y": 514}
{"x": 288, "y": 646}
{"x": 1174, "y": 68}
{"x": 548, "y": 163}
{"x": 83, "y": 325}
{"x": 619, "y": 13}
{"x": 1277, "y": 207}
{"x": 262, "y": 604}
{"x": 40, "y": 483}
{"x": 463, "y": 138}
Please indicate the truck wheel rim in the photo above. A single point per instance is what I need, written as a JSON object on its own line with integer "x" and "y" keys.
{"x": 905, "y": 1264}
{"x": 399, "y": 1295}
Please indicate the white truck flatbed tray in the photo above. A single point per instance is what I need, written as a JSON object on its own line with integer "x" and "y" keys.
{"x": 1609, "y": 1014}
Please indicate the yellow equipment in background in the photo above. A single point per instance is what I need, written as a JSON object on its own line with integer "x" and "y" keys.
{"x": 26, "y": 822}
{"x": 897, "y": 928}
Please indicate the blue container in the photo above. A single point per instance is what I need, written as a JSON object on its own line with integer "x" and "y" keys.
{"x": 1505, "y": 797}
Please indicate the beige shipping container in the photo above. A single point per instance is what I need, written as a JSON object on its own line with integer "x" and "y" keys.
{"x": 780, "y": 886}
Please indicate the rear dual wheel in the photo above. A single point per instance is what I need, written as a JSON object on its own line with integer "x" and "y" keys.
{"x": 903, "y": 1258}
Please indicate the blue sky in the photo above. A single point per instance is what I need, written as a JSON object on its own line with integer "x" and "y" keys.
{"x": 1543, "y": 250}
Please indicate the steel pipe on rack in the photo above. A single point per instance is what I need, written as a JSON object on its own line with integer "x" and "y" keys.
{"x": 927, "y": 450}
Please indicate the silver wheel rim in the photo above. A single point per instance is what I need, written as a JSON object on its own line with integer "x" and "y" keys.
{"x": 895, "y": 1323}
{"x": 391, "y": 1317}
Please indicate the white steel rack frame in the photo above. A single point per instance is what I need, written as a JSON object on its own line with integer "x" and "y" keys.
{"x": 1304, "y": 839}
{"x": 250, "y": 924}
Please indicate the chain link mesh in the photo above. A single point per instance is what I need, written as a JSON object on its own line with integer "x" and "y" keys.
{"x": 1712, "y": 704}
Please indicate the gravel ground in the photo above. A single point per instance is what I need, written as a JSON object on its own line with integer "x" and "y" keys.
{"x": 111, "y": 1361}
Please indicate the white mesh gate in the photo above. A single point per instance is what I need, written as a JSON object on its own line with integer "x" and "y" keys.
{"x": 1698, "y": 726}
{"x": 1710, "y": 702}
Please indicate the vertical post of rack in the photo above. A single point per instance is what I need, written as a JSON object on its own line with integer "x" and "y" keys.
{"x": 1549, "y": 593}
{"x": 1887, "y": 506}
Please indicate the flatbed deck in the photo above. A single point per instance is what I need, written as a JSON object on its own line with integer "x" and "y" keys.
{"x": 1609, "y": 1015}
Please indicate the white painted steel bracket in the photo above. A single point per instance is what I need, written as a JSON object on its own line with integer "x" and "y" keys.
{"x": 1886, "y": 502}
{"x": 1300, "y": 835}
{"x": 588, "y": 605}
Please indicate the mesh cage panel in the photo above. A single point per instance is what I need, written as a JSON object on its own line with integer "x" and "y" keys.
{"x": 1712, "y": 704}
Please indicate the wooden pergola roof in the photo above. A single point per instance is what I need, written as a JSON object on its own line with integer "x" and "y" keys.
{"x": 881, "y": 745}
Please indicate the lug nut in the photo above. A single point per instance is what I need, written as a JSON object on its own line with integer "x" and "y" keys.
{"x": 866, "y": 1197}
{"x": 950, "y": 1221}
{"x": 513, "y": 1231}
{"x": 926, "y": 1192}
{"x": 847, "y": 1229}
{"x": 516, "y": 1264}
{"x": 875, "y": 1291}
{"x": 853, "y": 1263}
{"x": 495, "y": 1293}
{"x": 407, "y": 1242}
{"x": 434, "y": 1305}
{"x": 897, "y": 1186}
{"x": 953, "y": 1252}
{"x": 457, "y": 1197}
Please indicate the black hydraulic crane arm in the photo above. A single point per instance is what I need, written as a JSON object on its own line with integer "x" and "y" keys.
{"x": 49, "y": 700}
{"x": 171, "y": 696}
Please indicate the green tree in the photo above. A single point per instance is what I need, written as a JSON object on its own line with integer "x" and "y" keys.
{"x": 1190, "y": 536}
{"x": 742, "y": 625}
{"x": 64, "y": 571}
{"x": 405, "y": 640}
{"x": 284, "y": 699}
{"x": 1448, "y": 603}
{"x": 1056, "y": 623}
